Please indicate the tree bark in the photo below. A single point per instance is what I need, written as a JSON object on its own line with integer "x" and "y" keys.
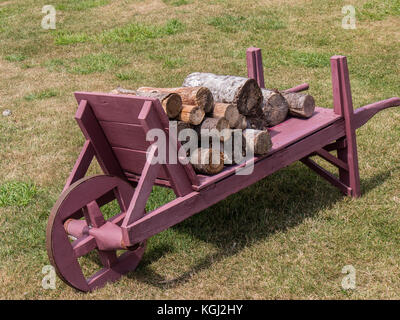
{"x": 202, "y": 161}
{"x": 242, "y": 122}
{"x": 300, "y": 104}
{"x": 171, "y": 102}
{"x": 181, "y": 125}
{"x": 227, "y": 111}
{"x": 191, "y": 114}
{"x": 219, "y": 124}
{"x": 244, "y": 93}
{"x": 275, "y": 107}
{"x": 258, "y": 141}
{"x": 199, "y": 96}
{"x": 273, "y": 111}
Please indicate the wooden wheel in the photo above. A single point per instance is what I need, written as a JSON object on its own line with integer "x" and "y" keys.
{"x": 75, "y": 203}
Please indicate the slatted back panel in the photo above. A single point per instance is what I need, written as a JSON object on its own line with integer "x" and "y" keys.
{"x": 118, "y": 117}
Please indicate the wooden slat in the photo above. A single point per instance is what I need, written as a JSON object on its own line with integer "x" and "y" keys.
{"x": 152, "y": 117}
{"x": 93, "y": 132}
{"x": 81, "y": 165}
{"x": 343, "y": 105}
{"x": 134, "y": 161}
{"x": 125, "y": 108}
{"x": 129, "y": 136}
{"x": 255, "y": 66}
{"x": 142, "y": 192}
{"x": 332, "y": 159}
{"x": 327, "y": 176}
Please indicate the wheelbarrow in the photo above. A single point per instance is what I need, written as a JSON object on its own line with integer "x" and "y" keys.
{"x": 115, "y": 128}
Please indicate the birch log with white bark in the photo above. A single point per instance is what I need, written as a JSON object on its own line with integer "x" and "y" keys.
{"x": 242, "y": 92}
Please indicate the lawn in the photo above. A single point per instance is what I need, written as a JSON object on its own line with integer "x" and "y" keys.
{"x": 287, "y": 236}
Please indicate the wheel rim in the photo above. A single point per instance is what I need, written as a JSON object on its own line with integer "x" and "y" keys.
{"x": 64, "y": 254}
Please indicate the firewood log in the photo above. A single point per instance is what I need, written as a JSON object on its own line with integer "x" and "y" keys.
{"x": 191, "y": 114}
{"x": 199, "y": 96}
{"x": 244, "y": 93}
{"x": 181, "y": 125}
{"x": 301, "y": 105}
{"x": 242, "y": 122}
{"x": 219, "y": 124}
{"x": 207, "y": 161}
{"x": 258, "y": 141}
{"x": 273, "y": 111}
{"x": 227, "y": 111}
{"x": 275, "y": 107}
{"x": 171, "y": 102}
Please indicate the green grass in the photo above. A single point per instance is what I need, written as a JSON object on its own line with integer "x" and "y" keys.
{"x": 45, "y": 94}
{"x": 78, "y": 5}
{"x": 135, "y": 32}
{"x": 96, "y": 63}
{"x": 68, "y": 39}
{"x": 17, "y": 193}
{"x": 378, "y": 10}
{"x": 15, "y": 57}
{"x": 176, "y": 3}
{"x": 286, "y": 237}
{"x": 230, "y": 24}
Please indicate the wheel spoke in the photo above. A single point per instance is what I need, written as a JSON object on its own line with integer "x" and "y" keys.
{"x": 83, "y": 246}
{"x": 93, "y": 215}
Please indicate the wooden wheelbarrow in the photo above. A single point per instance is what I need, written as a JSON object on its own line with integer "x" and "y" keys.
{"x": 115, "y": 128}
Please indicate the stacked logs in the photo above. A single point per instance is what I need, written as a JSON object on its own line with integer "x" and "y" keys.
{"x": 227, "y": 105}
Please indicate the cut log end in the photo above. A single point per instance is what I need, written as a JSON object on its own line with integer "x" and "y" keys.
{"x": 172, "y": 105}
{"x": 242, "y": 122}
{"x": 211, "y": 126}
{"x": 249, "y": 97}
{"x": 227, "y": 111}
{"x": 300, "y": 105}
{"x": 207, "y": 161}
{"x": 192, "y": 114}
{"x": 259, "y": 141}
{"x": 205, "y": 98}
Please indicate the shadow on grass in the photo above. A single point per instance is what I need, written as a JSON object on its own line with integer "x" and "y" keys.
{"x": 277, "y": 203}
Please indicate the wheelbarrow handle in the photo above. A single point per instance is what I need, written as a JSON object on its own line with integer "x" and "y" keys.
{"x": 299, "y": 88}
{"x": 363, "y": 114}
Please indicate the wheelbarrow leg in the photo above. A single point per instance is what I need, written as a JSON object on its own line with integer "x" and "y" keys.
{"x": 343, "y": 105}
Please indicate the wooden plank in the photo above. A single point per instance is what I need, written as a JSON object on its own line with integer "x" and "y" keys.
{"x": 332, "y": 159}
{"x": 128, "y": 136}
{"x": 81, "y": 165}
{"x": 93, "y": 132}
{"x": 125, "y": 108}
{"x": 134, "y": 160}
{"x": 255, "y": 69}
{"x": 152, "y": 117}
{"x": 327, "y": 176}
{"x": 343, "y": 103}
{"x": 184, "y": 207}
{"x": 142, "y": 192}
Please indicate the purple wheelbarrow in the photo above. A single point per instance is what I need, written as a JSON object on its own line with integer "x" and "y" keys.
{"x": 115, "y": 128}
